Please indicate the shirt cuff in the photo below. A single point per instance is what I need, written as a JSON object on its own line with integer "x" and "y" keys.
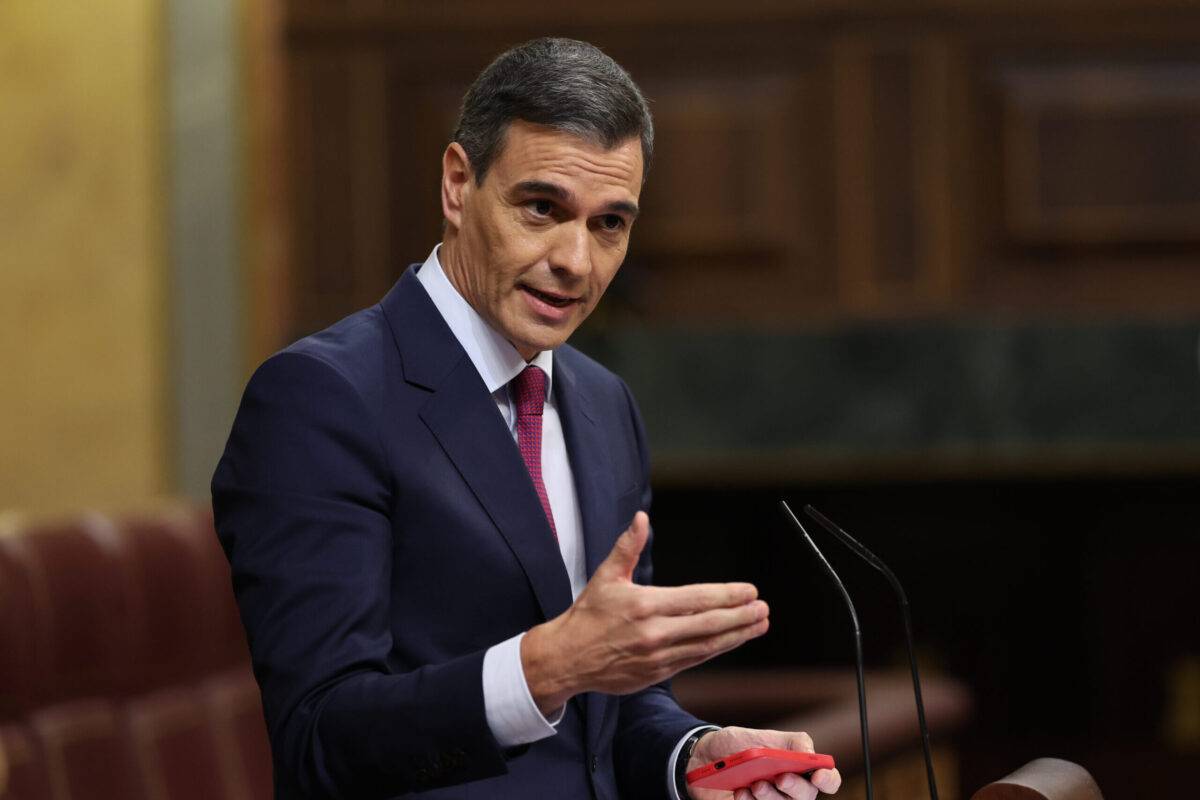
{"x": 511, "y": 713}
{"x": 672, "y": 791}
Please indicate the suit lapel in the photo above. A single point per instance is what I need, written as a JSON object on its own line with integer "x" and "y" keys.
{"x": 462, "y": 416}
{"x": 591, "y": 466}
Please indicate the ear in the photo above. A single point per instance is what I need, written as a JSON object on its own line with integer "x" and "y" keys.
{"x": 457, "y": 183}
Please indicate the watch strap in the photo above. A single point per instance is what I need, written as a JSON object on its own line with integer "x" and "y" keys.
{"x": 685, "y": 755}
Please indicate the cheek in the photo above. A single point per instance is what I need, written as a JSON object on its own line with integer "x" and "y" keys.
{"x": 607, "y": 261}
{"x": 503, "y": 247}
{"x": 513, "y": 251}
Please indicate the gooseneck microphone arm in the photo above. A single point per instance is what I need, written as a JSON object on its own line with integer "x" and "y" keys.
{"x": 874, "y": 560}
{"x": 858, "y": 654}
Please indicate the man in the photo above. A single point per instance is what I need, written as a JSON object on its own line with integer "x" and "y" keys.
{"x": 423, "y": 505}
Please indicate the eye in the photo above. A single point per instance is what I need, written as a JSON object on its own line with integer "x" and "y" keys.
{"x": 541, "y": 208}
{"x": 612, "y": 222}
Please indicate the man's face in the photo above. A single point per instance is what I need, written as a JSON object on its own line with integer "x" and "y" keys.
{"x": 534, "y": 247}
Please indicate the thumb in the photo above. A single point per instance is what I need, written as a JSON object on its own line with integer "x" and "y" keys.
{"x": 627, "y": 550}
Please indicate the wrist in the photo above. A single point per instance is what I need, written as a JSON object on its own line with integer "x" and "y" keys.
{"x": 687, "y": 754}
{"x": 546, "y": 673}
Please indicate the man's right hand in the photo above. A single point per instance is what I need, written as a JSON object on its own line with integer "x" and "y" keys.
{"x": 619, "y": 637}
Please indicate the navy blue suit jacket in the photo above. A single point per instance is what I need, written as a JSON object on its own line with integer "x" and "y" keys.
{"x": 383, "y": 533}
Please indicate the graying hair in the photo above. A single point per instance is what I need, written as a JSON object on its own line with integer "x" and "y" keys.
{"x": 565, "y": 84}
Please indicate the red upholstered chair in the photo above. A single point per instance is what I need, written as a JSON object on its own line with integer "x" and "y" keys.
{"x": 20, "y": 676}
{"x": 123, "y": 664}
{"x": 171, "y": 588}
{"x": 177, "y": 750}
{"x": 228, "y": 637}
{"x": 83, "y": 620}
{"x": 204, "y": 736}
{"x": 235, "y": 712}
{"x": 86, "y": 751}
{"x": 57, "y": 603}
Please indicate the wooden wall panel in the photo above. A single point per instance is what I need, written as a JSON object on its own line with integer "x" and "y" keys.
{"x": 340, "y": 147}
{"x": 1102, "y": 153}
{"x": 733, "y": 195}
{"x": 898, "y": 206}
{"x": 422, "y": 117}
{"x": 841, "y": 163}
{"x": 1087, "y": 200}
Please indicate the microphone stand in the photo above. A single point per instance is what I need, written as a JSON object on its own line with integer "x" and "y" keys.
{"x": 860, "y": 550}
{"x": 858, "y": 654}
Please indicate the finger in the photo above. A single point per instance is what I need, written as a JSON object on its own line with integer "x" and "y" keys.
{"x": 795, "y": 787}
{"x": 702, "y": 649}
{"x": 697, "y": 597}
{"x": 765, "y": 790}
{"x": 694, "y": 627}
{"x": 688, "y": 654}
{"x": 624, "y": 556}
{"x": 827, "y": 780}
{"x": 743, "y": 794}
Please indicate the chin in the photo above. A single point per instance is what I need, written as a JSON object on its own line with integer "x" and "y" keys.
{"x": 545, "y": 344}
{"x": 539, "y": 338}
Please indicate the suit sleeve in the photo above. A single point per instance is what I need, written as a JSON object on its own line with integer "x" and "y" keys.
{"x": 302, "y": 499}
{"x": 650, "y": 722}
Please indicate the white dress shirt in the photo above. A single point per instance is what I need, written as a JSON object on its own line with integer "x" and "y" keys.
{"x": 512, "y": 715}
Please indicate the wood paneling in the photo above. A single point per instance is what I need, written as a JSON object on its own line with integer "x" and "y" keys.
{"x": 815, "y": 161}
{"x": 1102, "y": 153}
{"x": 1086, "y": 200}
{"x": 738, "y": 199}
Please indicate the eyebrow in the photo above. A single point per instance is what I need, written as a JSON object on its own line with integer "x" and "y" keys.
{"x": 562, "y": 195}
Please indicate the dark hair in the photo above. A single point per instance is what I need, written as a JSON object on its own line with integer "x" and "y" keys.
{"x": 565, "y": 84}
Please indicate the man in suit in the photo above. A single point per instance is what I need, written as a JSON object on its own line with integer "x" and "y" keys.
{"x": 435, "y": 509}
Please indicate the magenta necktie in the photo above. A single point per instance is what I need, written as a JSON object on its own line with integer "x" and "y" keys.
{"x": 529, "y": 394}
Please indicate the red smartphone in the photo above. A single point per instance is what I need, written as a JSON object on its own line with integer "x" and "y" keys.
{"x": 756, "y": 764}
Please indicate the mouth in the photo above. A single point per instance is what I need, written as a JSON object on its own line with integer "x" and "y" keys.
{"x": 550, "y": 298}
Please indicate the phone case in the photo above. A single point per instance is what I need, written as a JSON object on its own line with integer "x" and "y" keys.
{"x": 756, "y": 764}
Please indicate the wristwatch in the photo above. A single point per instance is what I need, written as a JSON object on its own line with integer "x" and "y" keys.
{"x": 685, "y": 755}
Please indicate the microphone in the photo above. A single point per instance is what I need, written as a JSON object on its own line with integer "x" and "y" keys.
{"x": 862, "y": 552}
{"x": 858, "y": 656}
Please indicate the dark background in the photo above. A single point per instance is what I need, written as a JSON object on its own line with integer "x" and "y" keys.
{"x": 1060, "y": 603}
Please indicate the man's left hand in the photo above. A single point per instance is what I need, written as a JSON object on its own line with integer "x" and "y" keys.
{"x": 727, "y": 741}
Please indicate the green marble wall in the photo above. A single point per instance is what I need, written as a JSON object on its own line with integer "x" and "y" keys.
{"x": 914, "y": 389}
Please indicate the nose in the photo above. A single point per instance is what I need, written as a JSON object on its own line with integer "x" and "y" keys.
{"x": 572, "y": 250}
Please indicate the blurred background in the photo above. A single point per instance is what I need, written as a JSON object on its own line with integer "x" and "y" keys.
{"x": 930, "y": 265}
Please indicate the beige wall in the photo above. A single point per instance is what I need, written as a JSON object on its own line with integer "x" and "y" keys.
{"x": 83, "y": 394}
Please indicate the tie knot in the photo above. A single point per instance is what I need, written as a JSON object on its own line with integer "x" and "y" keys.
{"x": 529, "y": 392}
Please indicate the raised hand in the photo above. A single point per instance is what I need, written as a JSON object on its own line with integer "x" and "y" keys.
{"x": 619, "y": 637}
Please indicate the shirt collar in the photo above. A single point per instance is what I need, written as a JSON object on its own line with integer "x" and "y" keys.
{"x": 494, "y": 357}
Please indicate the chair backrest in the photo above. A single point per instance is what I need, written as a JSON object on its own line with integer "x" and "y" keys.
{"x": 1043, "y": 779}
{"x": 124, "y": 673}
